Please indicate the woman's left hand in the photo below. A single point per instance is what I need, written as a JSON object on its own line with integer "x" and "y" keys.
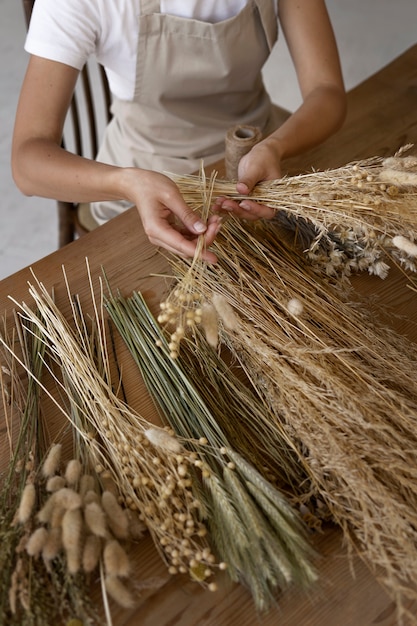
{"x": 260, "y": 164}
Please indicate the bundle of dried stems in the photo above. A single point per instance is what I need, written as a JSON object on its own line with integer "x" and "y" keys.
{"x": 31, "y": 591}
{"x": 349, "y": 219}
{"x": 336, "y": 383}
{"x": 252, "y": 525}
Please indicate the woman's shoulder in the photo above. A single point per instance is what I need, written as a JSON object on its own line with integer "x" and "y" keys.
{"x": 70, "y": 32}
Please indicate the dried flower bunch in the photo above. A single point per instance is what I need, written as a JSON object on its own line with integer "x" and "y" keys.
{"x": 337, "y": 383}
{"x": 182, "y": 310}
{"x": 31, "y": 592}
{"x": 79, "y": 520}
{"x": 253, "y": 526}
{"x": 348, "y": 219}
{"x": 152, "y": 470}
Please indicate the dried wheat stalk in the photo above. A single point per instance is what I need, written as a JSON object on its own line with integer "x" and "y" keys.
{"x": 349, "y": 219}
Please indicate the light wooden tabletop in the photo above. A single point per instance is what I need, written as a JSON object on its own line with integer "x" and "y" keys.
{"x": 382, "y": 118}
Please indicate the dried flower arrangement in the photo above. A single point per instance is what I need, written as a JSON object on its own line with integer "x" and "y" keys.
{"x": 176, "y": 484}
{"x": 312, "y": 360}
{"x": 338, "y": 384}
{"x": 348, "y": 219}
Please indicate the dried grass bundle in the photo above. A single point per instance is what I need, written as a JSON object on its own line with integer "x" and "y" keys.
{"x": 152, "y": 470}
{"x": 338, "y": 384}
{"x": 254, "y": 528}
{"x": 30, "y": 591}
{"x": 349, "y": 219}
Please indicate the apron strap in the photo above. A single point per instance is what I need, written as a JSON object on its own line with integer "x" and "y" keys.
{"x": 269, "y": 20}
{"x": 147, "y": 7}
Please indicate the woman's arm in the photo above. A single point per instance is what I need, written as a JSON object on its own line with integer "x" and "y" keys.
{"x": 313, "y": 49}
{"x": 41, "y": 167}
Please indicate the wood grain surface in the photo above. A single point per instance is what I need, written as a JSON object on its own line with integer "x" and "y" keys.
{"x": 382, "y": 117}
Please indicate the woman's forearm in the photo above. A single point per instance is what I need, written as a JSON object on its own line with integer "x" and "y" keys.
{"x": 321, "y": 114}
{"x": 42, "y": 168}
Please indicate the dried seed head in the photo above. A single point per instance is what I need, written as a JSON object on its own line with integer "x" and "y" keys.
{"x": 209, "y": 321}
{"x": 57, "y": 513}
{"x": 37, "y": 541}
{"x": 95, "y": 519}
{"x": 44, "y": 515}
{"x": 53, "y": 544}
{"x": 116, "y": 561}
{"x": 116, "y": 516}
{"x": 87, "y": 483}
{"x": 198, "y": 570}
{"x": 404, "y": 244}
{"x": 27, "y": 502}
{"x": 91, "y": 553}
{"x": 161, "y": 439}
{"x": 117, "y": 590}
{"x": 68, "y": 498}
{"x": 52, "y": 461}
{"x": 55, "y": 483}
{"x": 73, "y": 472}
{"x": 295, "y": 307}
{"x": 91, "y": 496}
{"x": 72, "y": 527}
{"x": 225, "y": 312}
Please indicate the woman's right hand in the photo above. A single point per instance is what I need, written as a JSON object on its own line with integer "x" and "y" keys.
{"x": 167, "y": 220}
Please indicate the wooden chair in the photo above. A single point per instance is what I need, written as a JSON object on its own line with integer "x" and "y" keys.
{"x": 88, "y": 114}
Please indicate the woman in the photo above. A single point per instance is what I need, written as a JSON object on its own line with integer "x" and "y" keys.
{"x": 181, "y": 73}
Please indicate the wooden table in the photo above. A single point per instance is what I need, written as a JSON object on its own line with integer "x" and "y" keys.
{"x": 382, "y": 117}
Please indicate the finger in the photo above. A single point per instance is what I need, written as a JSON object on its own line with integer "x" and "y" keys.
{"x": 250, "y": 210}
{"x": 227, "y": 204}
{"x": 173, "y": 241}
{"x": 191, "y": 220}
{"x": 248, "y": 176}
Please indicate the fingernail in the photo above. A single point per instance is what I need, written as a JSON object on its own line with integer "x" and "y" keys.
{"x": 226, "y": 207}
{"x": 245, "y": 205}
{"x": 199, "y": 227}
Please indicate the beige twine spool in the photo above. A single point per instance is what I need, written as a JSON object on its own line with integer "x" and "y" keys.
{"x": 239, "y": 140}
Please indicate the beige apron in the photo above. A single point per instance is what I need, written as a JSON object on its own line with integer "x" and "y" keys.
{"x": 194, "y": 80}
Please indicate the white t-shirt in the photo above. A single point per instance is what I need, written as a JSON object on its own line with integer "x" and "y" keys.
{"x": 70, "y": 31}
